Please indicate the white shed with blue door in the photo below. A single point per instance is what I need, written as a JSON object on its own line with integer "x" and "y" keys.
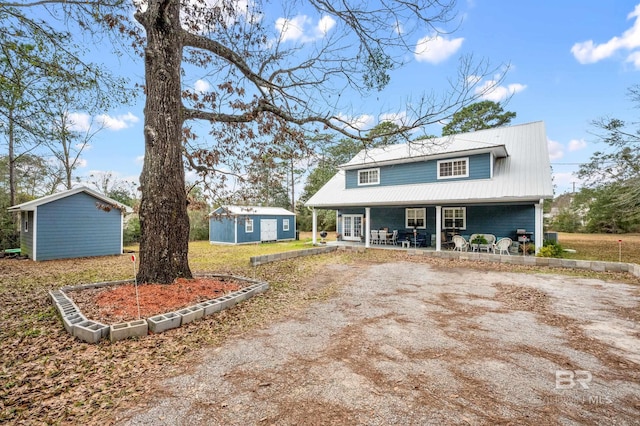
{"x": 250, "y": 224}
{"x": 79, "y": 222}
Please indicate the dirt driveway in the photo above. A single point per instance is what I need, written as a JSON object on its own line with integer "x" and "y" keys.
{"x": 410, "y": 344}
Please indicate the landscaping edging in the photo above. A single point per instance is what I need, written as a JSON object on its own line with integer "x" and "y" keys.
{"x": 268, "y": 258}
{"x": 593, "y": 265}
{"x": 87, "y": 330}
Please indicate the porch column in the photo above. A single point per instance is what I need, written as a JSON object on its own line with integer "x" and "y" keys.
{"x": 539, "y": 225}
{"x": 367, "y": 227}
{"x": 314, "y": 226}
{"x": 438, "y": 228}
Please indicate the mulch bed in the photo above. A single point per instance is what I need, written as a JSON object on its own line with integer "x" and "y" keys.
{"x": 111, "y": 305}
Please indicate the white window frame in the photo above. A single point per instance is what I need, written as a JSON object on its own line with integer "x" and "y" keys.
{"x": 423, "y": 210}
{"x": 453, "y": 175}
{"x": 26, "y": 223}
{"x": 248, "y": 226}
{"x": 285, "y": 224}
{"x": 368, "y": 173}
{"x": 454, "y": 209}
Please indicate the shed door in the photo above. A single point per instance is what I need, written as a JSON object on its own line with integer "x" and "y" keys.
{"x": 268, "y": 229}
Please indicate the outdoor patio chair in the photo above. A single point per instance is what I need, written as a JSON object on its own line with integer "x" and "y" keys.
{"x": 502, "y": 246}
{"x": 491, "y": 243}
{"x": 444, "y": 243}
{"x": 375, "y": 237}
{"x": 394, "y": 237}
{"x": 460, "y": 243}
{"x": 383, "y": 235}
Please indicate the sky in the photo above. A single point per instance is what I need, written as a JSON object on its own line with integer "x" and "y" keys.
{"x": 569, "y": 62}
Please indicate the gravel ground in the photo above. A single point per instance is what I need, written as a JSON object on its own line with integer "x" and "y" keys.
{"x": 411, "y": 344}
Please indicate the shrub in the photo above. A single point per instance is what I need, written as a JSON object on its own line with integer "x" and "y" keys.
{"x": 198, "y": 226}
{"x": 480, "y": 239}
{"x": 131, "y": 232}
{"x": 550, "y": 249}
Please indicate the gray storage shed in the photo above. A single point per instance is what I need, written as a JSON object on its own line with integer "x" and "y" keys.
{"x": 79, "y": 222}
{"x": 249, "y": 224}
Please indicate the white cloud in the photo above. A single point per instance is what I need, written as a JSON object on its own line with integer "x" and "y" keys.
{"x": 577, "y": 144}
{"x": 498, "y": 93}
{"x": 588, "y": 52}
{"x": 325, "y": 25}
{"x": 301, "y": 28}
{"x": 118, "y": 122}
{"x": 291, "y": 29}
{"x": 361, "y": 122}
{"x": 201, "y": 86}
{"x": 79, "y": 121}
{"x": 139, "y": 159}
{"x": 81, "y": 163}
{"x": 556, "y": 150}
{"x": 435, "y": 49}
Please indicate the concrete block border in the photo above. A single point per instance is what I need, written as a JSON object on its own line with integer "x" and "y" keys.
{"x": 87, "y": 330}
{"x": 593, "y": 265}
{"x": 268, "y": 258}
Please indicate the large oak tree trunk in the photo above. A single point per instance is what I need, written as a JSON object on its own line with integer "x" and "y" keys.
{"x": 164, "y": 223}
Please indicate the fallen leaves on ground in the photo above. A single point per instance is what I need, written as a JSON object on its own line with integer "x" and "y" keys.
{"x": 49, "y": 377}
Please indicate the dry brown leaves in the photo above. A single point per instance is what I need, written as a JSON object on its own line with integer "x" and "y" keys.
{"x": 48, "y": 377}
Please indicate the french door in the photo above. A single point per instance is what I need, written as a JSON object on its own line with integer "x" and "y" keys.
{"x": 352, "y": 227}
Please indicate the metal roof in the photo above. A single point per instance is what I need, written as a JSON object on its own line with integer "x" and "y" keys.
{"x": 32, "y": 205}
{"x": 523, "y": 175}
{"x": 426, "y": 149}
{"x": 251, "y": 210}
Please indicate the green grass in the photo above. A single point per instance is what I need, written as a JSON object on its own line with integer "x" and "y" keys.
{"x": 605, "y": 247}
{"x": 204, "y": 256}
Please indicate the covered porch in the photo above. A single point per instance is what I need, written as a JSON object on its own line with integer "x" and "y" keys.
{"x": 431, "y": 227}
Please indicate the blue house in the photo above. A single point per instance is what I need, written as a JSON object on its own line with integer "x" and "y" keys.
{"x": 247, "y": 224}
{"x": 76, "y": 223}
{"x": 491, "y": 181}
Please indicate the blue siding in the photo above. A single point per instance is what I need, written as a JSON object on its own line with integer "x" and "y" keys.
{"x": 422, "y": 172}
{"x": 500, "y": 220}
{"x": 248, "y": 237}
{"x": 221, "y": 229}
{"x": 75, "y": 227}
{"x": 26, "y": 238}
{"x": 291, "y": 233}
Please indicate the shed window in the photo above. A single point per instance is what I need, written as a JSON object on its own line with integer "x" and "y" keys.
{"x": 285, "y": 224}
{"x": 368, "y": 177}
{"x": 416, "y": 218}
{"x": 458, "y": 167}
{"x": 248, "y": 225}
{"x": 455, "y": 217}
{"x": 26, "y": 224}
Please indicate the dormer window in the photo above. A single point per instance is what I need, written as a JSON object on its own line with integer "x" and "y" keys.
{"x": 368, "y": 177}
{"x": 455, "y": 168}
